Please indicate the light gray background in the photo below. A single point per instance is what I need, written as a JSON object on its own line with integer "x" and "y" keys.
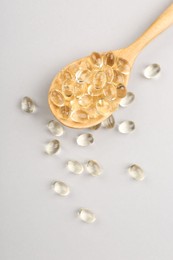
{"x": 134, "y": 220}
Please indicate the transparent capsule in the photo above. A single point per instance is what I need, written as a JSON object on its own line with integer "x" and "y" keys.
{"x": 79, "y": 116}
{"x": 65, "y": 112}
{"x": 57, "y": 98}
{"x": 126, "y": 127}
{"x": 55, "y": 128}
{"x": 110, "y": 59}
{"x": 99, "y": 79}
{"x": 79, "y": 90}
{"x": 93, "y": 113}
{"x": 68, "y": 89}
{"x": 93, "y": 168}
{"x": 96, "y": 59}
{"x": 109, "y": 122}
{"x": 152, "y": 71}
{"x": 136, "y": 172}
{"x": 127, "y": 100}
{"x": 85, "y": 139}
{"x": 74, "y": 66}
{"x": 85, "y": 65}
{"x": 118, "y": 77}
{"x": 53, "y": 147}
{"x": 86, "y": 215}
{"x": 110, "y": 92}
{"x": 61, "y": 188}
{"x": 85, "y": 100}
{"x": 82, "y": 76}
{"x": 65, "y": 75}
{"x": 114, "y": 105}
{"x": 109, "y": 74}
{"x": 123, "y": 66}
{"x": 103, "y": 107}
{"x": 92, "y": 91}
{"x": 28, "y": 105}
{"x": 121, "y": 91}
{"x": 75, "y": 167}
{"x": 57, "y": 83}
{"x": 67, "y": 92}
{"x": 95, "y": 127}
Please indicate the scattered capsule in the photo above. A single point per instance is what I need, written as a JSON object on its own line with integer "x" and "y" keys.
{"x": 61, "y": 188}
{"x": 52, "y": 147}
{"x": 127, "y": 100}
{"x": 28, "y": 105}
{"x": 93, "y": 168}
{"x": 136, "y": 172}
{"x": 126, "y": 127}
{"x": 55, "y": 128}
{"x": 152, "y": 71}
{"x": 85, "y": 139}
{"x": 75, "y": 167}
{"x": 109, "y": 122}
{"x": 86, "y": 215}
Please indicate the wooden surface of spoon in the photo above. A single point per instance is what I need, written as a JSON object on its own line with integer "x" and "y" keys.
{"x": 89, "y": 90}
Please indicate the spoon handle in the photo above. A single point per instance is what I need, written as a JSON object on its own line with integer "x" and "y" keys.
{"x": 162, "y": 23}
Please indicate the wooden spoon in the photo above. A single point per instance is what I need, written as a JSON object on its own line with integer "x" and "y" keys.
{"x": 89, "y": 90}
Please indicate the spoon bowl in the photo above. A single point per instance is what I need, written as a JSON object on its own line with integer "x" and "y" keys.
{"x": 89, "y": 90}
